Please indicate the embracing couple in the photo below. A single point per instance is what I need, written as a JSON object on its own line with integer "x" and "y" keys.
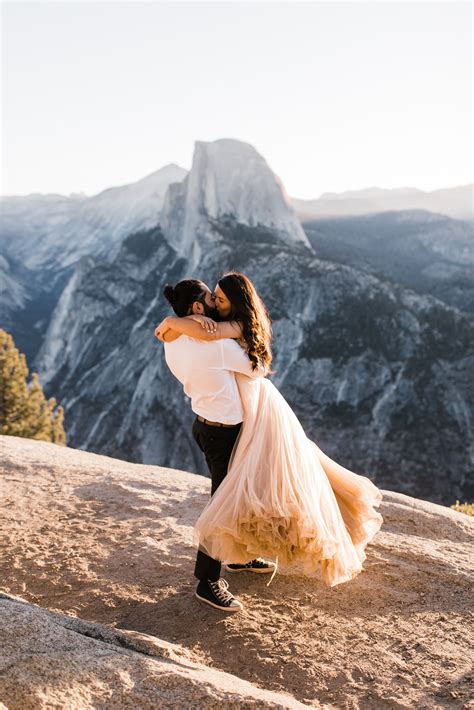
{"x": 274, "y": 492}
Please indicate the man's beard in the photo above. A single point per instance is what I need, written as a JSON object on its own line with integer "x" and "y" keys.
{"x": 211, "y": 312}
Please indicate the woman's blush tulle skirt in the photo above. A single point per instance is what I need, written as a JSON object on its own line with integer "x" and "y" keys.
{"x": 283, "y": 497}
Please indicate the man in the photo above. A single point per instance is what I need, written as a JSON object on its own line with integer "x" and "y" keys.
{"x": 206, "y": 370}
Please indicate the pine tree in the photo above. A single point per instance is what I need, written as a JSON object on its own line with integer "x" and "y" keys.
{"x": 24, "y": 410}
{"x": 58, "y": 435}
{"x": 38, "y": 413}
{"x": 13, "y": 388}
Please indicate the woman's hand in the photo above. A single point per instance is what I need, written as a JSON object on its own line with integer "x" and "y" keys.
{"x": 206, "y": 323}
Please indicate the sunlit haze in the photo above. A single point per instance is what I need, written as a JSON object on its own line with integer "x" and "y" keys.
{"x": 335, "y": 96}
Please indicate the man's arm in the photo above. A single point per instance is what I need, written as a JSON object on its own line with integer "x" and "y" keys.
{"x": 235, "y": 359}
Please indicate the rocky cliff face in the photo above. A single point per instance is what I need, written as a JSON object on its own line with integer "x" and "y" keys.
{"x": 429, "y": 253}
{"x": 229, "y": 179}
{"x": 53, "y": 231}
{"x": 42, "y": 238}
{"x": 377, "y": 374}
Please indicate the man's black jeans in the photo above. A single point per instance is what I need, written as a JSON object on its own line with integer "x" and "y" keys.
{"x": 216, "y": 443}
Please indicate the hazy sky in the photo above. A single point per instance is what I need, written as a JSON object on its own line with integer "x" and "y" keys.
{"x": 335, "y": 95}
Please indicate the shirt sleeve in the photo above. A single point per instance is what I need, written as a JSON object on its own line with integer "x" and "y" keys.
{"x": 235, "y": 358}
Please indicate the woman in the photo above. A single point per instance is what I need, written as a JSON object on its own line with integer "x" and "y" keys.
{"x": 282, "y": 496}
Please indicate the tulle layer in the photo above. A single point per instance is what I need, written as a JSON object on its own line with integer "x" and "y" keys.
{"x": 283, "y": 497}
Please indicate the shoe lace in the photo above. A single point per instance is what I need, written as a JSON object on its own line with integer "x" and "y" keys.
{"x": 220, "y": 588}
{"x": 258, "y": 560}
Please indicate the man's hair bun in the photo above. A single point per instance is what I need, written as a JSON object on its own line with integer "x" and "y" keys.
{"x": 169, "y": 294}
{"x": 182, "y": 296}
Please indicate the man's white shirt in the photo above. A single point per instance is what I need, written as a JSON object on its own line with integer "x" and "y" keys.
{"x": 206, "y": 370}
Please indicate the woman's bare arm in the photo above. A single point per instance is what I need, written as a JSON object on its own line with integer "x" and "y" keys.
{"x": 192, "y": 328}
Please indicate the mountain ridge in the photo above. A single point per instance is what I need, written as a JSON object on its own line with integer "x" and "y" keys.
{"x": 363, "y": 362}
{"x": 375, "y": 370}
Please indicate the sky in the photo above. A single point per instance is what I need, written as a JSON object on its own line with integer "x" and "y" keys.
{"x": 334, "y": 95}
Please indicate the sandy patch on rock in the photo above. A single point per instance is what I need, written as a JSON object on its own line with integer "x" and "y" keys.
{"x": 111, "y": 542}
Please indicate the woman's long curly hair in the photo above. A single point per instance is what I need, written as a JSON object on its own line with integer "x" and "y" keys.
{"x": 248, "y": 308}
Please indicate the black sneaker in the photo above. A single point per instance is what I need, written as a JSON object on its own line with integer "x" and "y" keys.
{"x": 216, "y": 594}
{"x": 259, "y": 565}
